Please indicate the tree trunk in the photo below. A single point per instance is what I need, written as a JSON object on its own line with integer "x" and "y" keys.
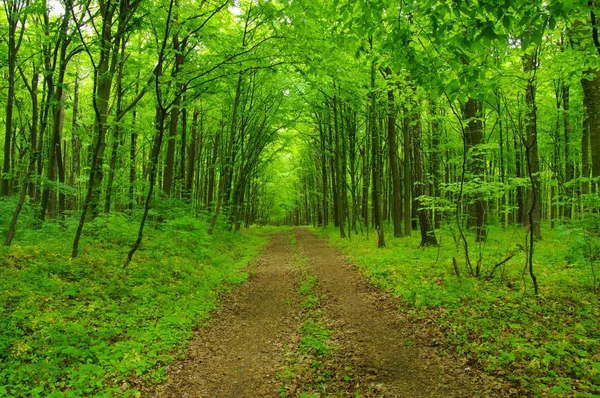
{"x": 228, "y": 166}
{"x": 211, "y": 173}
{"x": 191, "y": 156}
{"x": 352, "y": 155}
{"x": 339, "y": 170}
{"x": 407, "y": 174}
{"x": 75, "y": 143}
{"x": 13, "y": 13}
{"x": 133, "y": 154}
{"x": 475, "y": 130}
{"x": 103, "y": 77}
{"x": 35, "y": 116}
{"x": 333, "y": 179}
{"x": 117, "y": 131}
{"x": 424, "y": 215}
{"x": 156, "y": 146}
{"x": 393, "y": 160}
{"x": 33, "y": 155}
{"x": 585, "y": 155}
{"x": 376, "y": 192}
{"x": 555, "y": 212}
{"x": 569, "y": 168}
{"x": 169, "y": 169}
{"x": 365, "y": 185}
{"x": 59, "y": 160}
{"x": 521, "y": 214}
{"x": 435, "y": 162}
{"x": 325, "y": 183}
{"x": 58, "y": 115}
{"x": 533, "y": 192}
{"x": 591, "y": 101}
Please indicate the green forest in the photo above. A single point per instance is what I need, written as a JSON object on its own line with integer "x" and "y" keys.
{"x": 171, "y": 168}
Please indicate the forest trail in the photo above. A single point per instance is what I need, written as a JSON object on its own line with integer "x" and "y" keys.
{"x": 243, "y": 349}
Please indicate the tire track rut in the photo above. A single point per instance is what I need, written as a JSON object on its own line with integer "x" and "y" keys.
{"x": 241, "y": 350}
{"x": 385, "y": 353}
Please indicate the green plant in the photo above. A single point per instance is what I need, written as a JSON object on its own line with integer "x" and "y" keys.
{"x": 80, "y": 327}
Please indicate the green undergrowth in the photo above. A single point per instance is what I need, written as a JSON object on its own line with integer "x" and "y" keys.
{"x": 86, "y": 326}
{"x": 306, "y": 374}
{"x": 546, "y": 346}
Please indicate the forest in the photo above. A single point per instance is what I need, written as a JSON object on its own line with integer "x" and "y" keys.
{"x": 159, "y": 155}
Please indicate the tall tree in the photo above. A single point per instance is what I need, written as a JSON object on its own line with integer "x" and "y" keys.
{"x": 16, "y": 17}
{"x": 376, "y": 159}
{"x": 393, "y": 160}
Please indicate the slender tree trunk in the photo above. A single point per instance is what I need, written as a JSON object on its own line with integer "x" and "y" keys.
{"x": 211, "y": 173}
{"x": 334, "y": 181}
{"x": 170, "y": 159}
{"x": 352, "y": 154}
{"x": 169, "y": 169}
{"x": 117, "y": 131}
{"x": 339, "y": 170}
{"x": 569, "y": 168}
{"x": 13, "y": 11}
{"x": 6, "y": 170}
{"x": 58, "y": 114}
{"x": 183, "y": 151}
{"x": 393, "y": 160}
{"x": 365, "y": 185}
{"x": 435, "y": 162}
{"x": 591, "y": 100}
{"x": 191, "y": 156}
{"x": 424, "y": 215}
{"x": 407, "y": 173}
{"x": 325, "y": 183}
{"x": 585, "y": 156}
{"x": 503, "y": 200}
{"x": 318, "y": 184}
{"x": 228, "y": 167}
{"x": 376, "y": 192}
{"x": 531, "y": 145}
{"x": 554, "y": 189}
{"x": 475, "y": 129}
{"x": 75, "y": 143}
{"x": 47, "y": 95}
{"x": 103, "y": 78}
{"x": 35, "y": 119}
{"x": 521, "y": 212}
{"x": 160, "y": 128}
{"x": 33, "y": 155}
{"x": 133, "y": 154}
{"x": 59, "y": 159}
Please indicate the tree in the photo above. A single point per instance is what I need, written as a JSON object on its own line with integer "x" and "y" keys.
{"x": 393, "y": 154}
{"x": 16, "y": 16}
{"x": 376, "y": 190}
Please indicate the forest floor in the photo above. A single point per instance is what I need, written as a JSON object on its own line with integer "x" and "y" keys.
{"x": 308, "y": 324}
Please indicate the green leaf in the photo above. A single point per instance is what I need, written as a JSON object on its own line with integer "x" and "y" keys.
{"x": 537, "y": 36}
{"x": 567, "y": 5}
{"x": 506, "y": 22}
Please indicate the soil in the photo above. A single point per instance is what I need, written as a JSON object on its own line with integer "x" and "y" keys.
{"x": 381, "y": 353}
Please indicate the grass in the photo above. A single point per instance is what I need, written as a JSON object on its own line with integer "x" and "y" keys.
{"x": 545, "y": 346}
{"x": 88, "y": 327}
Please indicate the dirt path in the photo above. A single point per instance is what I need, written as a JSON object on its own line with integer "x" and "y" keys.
{"x": 240, "y": 353}
{"x": 389, "y": 357}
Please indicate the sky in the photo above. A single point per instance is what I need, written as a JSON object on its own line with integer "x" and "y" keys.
{"x": 56, "y": 8}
